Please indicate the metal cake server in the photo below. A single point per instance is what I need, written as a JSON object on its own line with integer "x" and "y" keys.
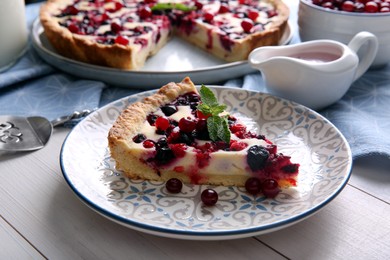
{"x": 30, "y": 133}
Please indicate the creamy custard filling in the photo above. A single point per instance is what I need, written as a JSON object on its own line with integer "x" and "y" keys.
{"x": 172, "y": 139}
{"x": 226, "y": 162}
{"x": 215, "y": 162}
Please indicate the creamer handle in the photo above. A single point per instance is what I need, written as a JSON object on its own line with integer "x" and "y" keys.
{"x": 372, "y": 47}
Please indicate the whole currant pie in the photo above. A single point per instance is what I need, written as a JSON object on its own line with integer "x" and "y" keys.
{"x": 187, "y": 135}
{"x": 124, "y": 33}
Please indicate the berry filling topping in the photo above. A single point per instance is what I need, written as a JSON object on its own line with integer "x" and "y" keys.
{"x": 356, "y": 6}
{"x": 113, "y": 22}
{"x": 190, "y": 133}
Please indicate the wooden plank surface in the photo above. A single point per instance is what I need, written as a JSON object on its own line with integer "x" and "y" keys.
{"x": 353, "y": 226}
{"x": 13, "y": 245}
{"x": 372, "y": 174}
{"x": 36, "y": 201}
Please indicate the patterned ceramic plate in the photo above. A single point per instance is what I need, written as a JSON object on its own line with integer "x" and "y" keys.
{"x": 306, "y": 136}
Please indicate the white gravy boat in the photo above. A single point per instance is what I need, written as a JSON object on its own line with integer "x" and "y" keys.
{"x": 314, "y": 73}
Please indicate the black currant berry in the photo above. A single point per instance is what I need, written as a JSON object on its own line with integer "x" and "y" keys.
{"x": 257, "y": 157}
{"x": 169, "y": 110}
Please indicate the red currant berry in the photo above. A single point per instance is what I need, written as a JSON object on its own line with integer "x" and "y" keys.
{"x": 270, "y": 188}
{"x": 162, "y": 123}
{"x": 174, "y": 185}
{"x": 179, "y": 150}
{"x": 384, "y": 4}
{"x": 200, "y": 115}
{"x": 115, "y": 27}
{"x": 98, "y": 19}
{"x": 348, "y": 6}
{"x": 121, "y": 40}
{"x": 148, "y": 144}
{"x": 253, "y": 185}
{"x": 271, "y": 148}
{"x": 187, "y": 125}
{"x": 237, "y": 146}
{"x": 317, "y": 2}
{"x": 359, "y": 7}
{"x": 224, "y": 8}
{"x": 371, "y": 7}
{"x": 209, "y": 197}
{"x": 145, "y": 12}
{"x": 247, "y": 25}
{"x": 179, "y": 168}
{"x": 253, "y": 15}
{"x": 71, "y": 10}
{"x": 384, "y": 10}
{"x": 272, "y": 13}
{"x": 208, "y": 17}
{"x": 118, "y": 6}
{"x": 328, "y": 5}
{"x": 198, "y": 5}
{"x": 237, "y": 127}
{"x": 202, "y": 159}
{"x": 201, "y": 125}
{"x": 73, "y": 28}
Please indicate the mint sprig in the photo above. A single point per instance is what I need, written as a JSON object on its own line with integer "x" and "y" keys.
{"x": 171, "y": 6}
{"x": 217, "y": 125}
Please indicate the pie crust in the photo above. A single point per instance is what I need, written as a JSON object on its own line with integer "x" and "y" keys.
{"x": 129, "y": 123}
{"x": 207, "y": 36}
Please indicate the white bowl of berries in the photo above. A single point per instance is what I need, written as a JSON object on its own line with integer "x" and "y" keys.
{"x": 341, "y": 20}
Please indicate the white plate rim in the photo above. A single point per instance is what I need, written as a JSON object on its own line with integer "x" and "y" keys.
{"x": 208, "y": 235}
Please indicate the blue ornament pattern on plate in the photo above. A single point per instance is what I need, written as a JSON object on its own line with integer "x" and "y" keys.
{"x": 147, "y": 206}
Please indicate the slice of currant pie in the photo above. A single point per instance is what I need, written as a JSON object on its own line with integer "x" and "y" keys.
{"x": 124, "y": 33}
{"x": 181, "y": 133}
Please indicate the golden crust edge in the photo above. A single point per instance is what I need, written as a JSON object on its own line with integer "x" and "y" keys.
{"x": 131, "y": 118}
{"x": 135, "y": 114}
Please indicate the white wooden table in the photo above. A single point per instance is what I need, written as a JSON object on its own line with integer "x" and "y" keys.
{"x": 42, "y": 218}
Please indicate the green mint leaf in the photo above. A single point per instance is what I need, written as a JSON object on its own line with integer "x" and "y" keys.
{"x": 212, "y": 127}
{"x": 223, "y": 130}
{"x": 216, "y": 110}
{"x": 218, "y": 129}
{"x": 217, "y": 126}
{"x": 170, "y": 6}
{"x": 207, "y": 96}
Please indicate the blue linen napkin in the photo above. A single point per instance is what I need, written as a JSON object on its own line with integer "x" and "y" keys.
{"x": 32, "y": 87}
